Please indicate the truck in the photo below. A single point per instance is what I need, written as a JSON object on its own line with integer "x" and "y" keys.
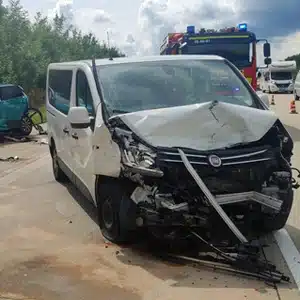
{"x": 236, "y": 44}
{"x": 277, "y": 77}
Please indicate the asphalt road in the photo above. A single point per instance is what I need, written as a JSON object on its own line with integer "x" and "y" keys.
{"x": 51, "y": 247}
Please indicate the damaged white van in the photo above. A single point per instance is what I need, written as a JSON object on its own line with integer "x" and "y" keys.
{"x": 169, "y": 143}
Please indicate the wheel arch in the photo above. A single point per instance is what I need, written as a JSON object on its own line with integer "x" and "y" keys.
{"x": 51, "y": 145}
{"x": 101, "y": 179}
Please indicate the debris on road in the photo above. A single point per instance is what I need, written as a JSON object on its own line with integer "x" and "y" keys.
{"x": 26, "y": 139}
{"x": 9, "y": 159}
{"x": 40, "y": 129}
{"x": 16, "y": 139}
{"x": 241, "y": 260}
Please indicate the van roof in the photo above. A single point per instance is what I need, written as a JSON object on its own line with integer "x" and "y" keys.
{"x": 120, "y": 60}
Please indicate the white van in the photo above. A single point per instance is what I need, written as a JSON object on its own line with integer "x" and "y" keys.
{"x": 131, "y": 133}
{"x": 277, "y": 77}
{"x": 297, "y": 86}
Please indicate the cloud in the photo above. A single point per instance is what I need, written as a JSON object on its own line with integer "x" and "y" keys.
{"x": 158, "y": 17}
{"x": 87, "y": 19}
{"x": 130, "y": 46}
{"x": 271, "y": 18}
{"x": 268, "y": 19}
{"x": 63, "y": 8}
{"x": 282, "y": 47}
{"x": 98, "y": 16}
{"x": 277, "y": 21}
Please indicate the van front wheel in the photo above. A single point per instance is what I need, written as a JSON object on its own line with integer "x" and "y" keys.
{"x": 116, "y": 211}
{"x": 58, "y": 173}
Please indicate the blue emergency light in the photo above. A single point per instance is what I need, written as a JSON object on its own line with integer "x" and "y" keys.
{"x": 190, "y": 29}
{"x": 242, "y": 27}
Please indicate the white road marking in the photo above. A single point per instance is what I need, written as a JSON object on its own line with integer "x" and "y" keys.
{"x": 290, "y": 253}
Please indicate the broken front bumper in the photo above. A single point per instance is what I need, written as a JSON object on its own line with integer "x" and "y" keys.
{"x": 260, "y": 198}
{"x": 217, "y": 201}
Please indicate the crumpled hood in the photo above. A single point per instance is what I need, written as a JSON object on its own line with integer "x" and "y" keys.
{"x": 205, "y": 126}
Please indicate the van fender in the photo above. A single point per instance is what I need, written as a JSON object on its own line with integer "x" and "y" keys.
{"x": 106, "y": 153}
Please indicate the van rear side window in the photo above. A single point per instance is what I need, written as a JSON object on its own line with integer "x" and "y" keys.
{"x": 59, "y": 89}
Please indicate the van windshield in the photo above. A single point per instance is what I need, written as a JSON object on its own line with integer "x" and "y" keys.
{"x": 281, "y": 75}
{"x": 130, "y": 87}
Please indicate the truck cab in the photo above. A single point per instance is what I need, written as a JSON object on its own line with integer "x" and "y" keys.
{"x": 236, "y": 44}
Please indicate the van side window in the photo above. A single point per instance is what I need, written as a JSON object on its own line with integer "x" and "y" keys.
{"x": 298, "y": 76}
{"x": 83, "y": 92}
{"x": 59, "y": 90}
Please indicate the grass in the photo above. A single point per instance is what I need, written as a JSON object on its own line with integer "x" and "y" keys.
{"x": 36, "y": 119}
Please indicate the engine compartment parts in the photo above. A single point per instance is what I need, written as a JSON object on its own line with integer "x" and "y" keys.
{"x": 248, "y": 260}
{"x": 244, "y": 184}
{"x": 178, "y": 180}
{"x": 211, "y": 198}
{"x": 10, "y": 159}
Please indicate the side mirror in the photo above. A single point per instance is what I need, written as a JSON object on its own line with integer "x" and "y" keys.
{"x": 268, "y": 61}
{"x": 267, "y": 49}
{"x": 79, "y": 117}
{"x": 264, "y": 98}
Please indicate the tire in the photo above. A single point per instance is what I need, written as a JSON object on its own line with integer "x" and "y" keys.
{"x": 58, "y": 173}
{"x": 116, "y": 211}
{"x": 25, "y": 126}
{"x": 278, "y": 221}
{"x": 295, "y": 95}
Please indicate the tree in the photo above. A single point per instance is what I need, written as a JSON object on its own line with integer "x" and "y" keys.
{"x": 295, "y": 57}
{"x": 26, "y": 48}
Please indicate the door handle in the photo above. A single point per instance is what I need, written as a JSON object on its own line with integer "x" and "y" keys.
{"x": 66, "y": 130}
{"x": 75, "y": 136}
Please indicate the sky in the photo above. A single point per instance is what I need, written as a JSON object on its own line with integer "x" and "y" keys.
{"x": 138, "y": 27}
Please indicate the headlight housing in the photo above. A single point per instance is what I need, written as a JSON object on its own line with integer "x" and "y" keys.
{"x": 137, "y": 157}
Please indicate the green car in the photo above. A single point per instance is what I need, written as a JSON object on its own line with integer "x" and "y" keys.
{"x": 14, "y": 109}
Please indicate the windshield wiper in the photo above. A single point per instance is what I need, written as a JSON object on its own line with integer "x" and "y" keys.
{"x": 119, "y": 111}
{"x": 115, "y": 111}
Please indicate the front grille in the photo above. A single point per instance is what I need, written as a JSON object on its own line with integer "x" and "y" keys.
{"x": 282, "y": 85}
{"x": 241, "y": 169}
{"x": 228, "y": 157}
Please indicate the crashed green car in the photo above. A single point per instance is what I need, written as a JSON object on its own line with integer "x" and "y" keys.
{"x": 14, "y": 110}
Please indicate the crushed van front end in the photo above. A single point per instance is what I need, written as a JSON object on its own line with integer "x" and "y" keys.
{"x": 243, "y": 187}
